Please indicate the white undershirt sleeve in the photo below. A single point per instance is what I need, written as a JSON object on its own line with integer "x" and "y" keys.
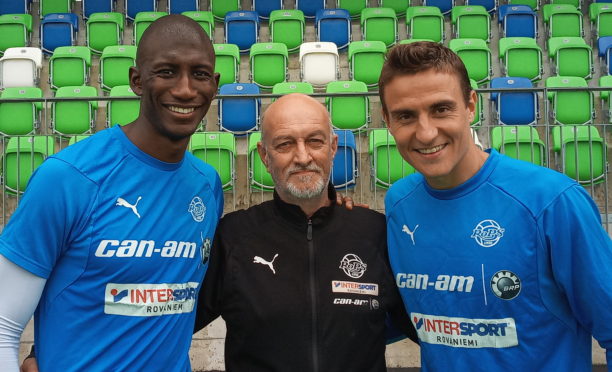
{"x": 20, "y": 292}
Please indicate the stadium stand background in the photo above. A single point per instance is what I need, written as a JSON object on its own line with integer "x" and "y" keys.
{"x": 207, "y": 350}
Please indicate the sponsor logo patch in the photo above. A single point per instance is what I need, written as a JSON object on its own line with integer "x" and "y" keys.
{"x": 355, "y": 287}
{"x": 351, "y": 301}
{"x": 465, "y": 333}
{"x": 150, "y": 299}
{"x": 506, "y": 285}
{"x": 487, "y": 233}
{"x": 353, "y": 266}
{"x": 197, "y": 209}
{"x": 443, "y": 282}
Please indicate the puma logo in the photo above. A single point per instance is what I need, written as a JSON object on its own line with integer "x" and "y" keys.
{"x": 123, "y": 203}
{"x": 260, "y": 260}
{"x": 411, "y": 233}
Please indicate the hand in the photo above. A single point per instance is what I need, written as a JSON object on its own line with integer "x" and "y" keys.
{"x": 29, "y": 365}
{"x": 348, "y": 202}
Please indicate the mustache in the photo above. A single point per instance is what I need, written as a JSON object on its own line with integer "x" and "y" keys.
{"x": 310, "y": 167}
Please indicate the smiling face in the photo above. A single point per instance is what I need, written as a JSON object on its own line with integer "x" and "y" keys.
{"x": 430, "y": 121}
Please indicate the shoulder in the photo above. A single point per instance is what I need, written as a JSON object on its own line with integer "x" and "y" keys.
{"x": 402, "y": 189}
{"x": 251, "y": 217}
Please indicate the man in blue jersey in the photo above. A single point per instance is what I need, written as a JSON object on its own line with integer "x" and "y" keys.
{"x": 502, "y": 264}
{"x": 111, "y": 239}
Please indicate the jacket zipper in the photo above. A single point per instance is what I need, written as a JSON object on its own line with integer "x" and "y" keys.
{"x": 313, "y": 298}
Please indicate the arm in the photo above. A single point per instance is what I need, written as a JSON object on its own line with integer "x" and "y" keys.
{"x": 209, "y": 298}
{"x": 16, "y": 309}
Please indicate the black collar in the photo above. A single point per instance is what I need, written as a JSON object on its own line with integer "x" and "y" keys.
{"x": 294, "y": 214}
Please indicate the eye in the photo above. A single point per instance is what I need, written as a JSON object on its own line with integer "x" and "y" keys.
{"x": 283, "y": 146}
{"x": 165, "y": 73}
{"x": 316, "y": 142}
{"x": 202, "y": 75}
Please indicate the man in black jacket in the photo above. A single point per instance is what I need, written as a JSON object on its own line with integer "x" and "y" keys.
{"x": 303, "y": 285}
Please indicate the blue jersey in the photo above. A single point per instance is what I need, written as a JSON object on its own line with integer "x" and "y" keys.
{"x": 123, "y": 240}
{"x": 510, "y": 271}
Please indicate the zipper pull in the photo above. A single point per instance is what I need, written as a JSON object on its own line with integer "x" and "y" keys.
{"x": 309, "y": 231}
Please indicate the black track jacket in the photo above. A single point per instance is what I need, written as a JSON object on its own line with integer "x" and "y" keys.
{"x": 300, "y": 294}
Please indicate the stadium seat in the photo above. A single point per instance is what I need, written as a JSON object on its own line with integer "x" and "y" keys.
{"x": 533, "y": 4}
{"x": 471, "y": 22}
{"x": 604, "y": 47}
{"x": 20, "y": 67}
{"x": 310, "y": 7}
{"x": 18, "y": 118}
{"x": 220, "y": 8}
{"x": 115, "y": 64}
{"x": 366, "y": 59}
{"x": 479, "y": 111}
{"x": 570, "y": 107}
{"x": 219, "y": 150}
{"x": 606, "y": 104}
{"x": 354, "y": 7}
{"x": 142, "y": 21}
{"x": 425, "y": 22}
{"x": 74, "y": 117}
{"x": 104, "y": 29}
{"x": 334, "y": 25}
{"x": 69, "y": 66}
{"x": 489, "y": 5}
{"x": 205, "y": 19}
{"x": 122, "y": 111}
{"x": 570, "y": 56}
{"x": 562, "y": 20}
{"x": 180, "y": 6}
{"x": 352, "y": 113}
{"x": 518, "y": 21}
{"x": 242, "y": 29}
{"x": 398, "y": 6}
{"x": 269, "y": 64}
{"x": 445, "y": 6}
{"x": 133, "y": 7}
{"x": 287, "y": 27}
{"x": 575, "y": 3}
{"x": 521, "y": 56}
{"x": 344, "y": 168}
{"x": 519, "y": 142}
{"x": 265, "y": 7}
{"x": 259, "y": 177}
{"x": 227, "y": 63}
{"x": 22, "y": 155}
{"x": 601, "y": 19}
{"x": 47, "y": 7}
{"x": 581, "y": 153}
{"x": 58, "y": 30}
{"x": 239, "y": 115}
{"x": 476, "y": 56}
{"x": 319, "y": 63}
{"x": 15, "y": 7}
{"x": 514, "y": 108}
{"x": 379, "y": 24}
{"x": 89, "y": 7}
{"x": 16, "y": 30}
{"x": 386, "y": 163}
{"x": 289, "y": 87}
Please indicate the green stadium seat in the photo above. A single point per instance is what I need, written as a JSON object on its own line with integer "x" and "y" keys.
{"x": 115, "y": 64}
{"x": 479, "y": 113}
{"x": 269, "y": 64}
{"x": 289, "y": 87}
{"x": 601, "y": 19}
{"x": 410, "y": 41}
{"x": 581, "y": 153}
{"x": 16, "y": 30}
{"x": 219, "y": 150}
{"x": 18, "y": 118}
{"x": 379, "y": 24}
{"x": 104, "y": 29}
{"x": 533, "y": 4}
{"x": 22, "y": 155}
{"x": 471, "y": 22}
{"x": 575, "y": 3}
{"x": 398, "y": 6}
{"x": 352, "y": 113}
{"x": 521, "y": 57}
{"x": 74, "y": 117}
{"x": 562, "y": 20}
{"x": 606, "y": 103}
{"x": 386, "y": 163}
{"x": 567, "y": 106}
{"x": 220, "y": 7}
{"x": 353, "y": 6}
{"x": 520, "y": 142}
{"x": 425, "y": 22}
{"x": 204, "y": 19}
{"x": 69, "y": 66}
{"x": 122, "y": 111}
{"x": 366, "y": 59}
{"x": 143, "y": 21}
{"x": 77, "y": 138}
{"x": 287, "y": 27}
{"x": 227, "y": 63}
{"x": 476, "y": 56}
{"x": 571, "y": 56}
{"x": 259, "y": 177}
{"x": 53, "y": 6}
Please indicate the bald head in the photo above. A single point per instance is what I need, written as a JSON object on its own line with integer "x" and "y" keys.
{"x": 170, "y": 31}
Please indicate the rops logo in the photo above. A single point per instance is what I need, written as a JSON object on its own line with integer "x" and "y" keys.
{"x": 487, "y": 233}
{"x": 197, "y": 209}
{"x": 506, "y": 285}
{"x": 353, "y": 266}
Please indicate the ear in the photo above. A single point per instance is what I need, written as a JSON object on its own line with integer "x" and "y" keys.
{"x": 385, "y": 117}
{"x": 334, "y": 145}
{"x": 217, "y": 78}
{"x": 471, "y": 106}
{"x": 135, "y": 81}
{"x": 263, "y": 154}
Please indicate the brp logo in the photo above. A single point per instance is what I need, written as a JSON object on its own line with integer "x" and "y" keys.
{"x": 205, "y": 251}
{"x": 197, "y": 209}
{"x": 487, "y": 233}
{"x": 353, "y": 266}
{"x": 506, "y": 285}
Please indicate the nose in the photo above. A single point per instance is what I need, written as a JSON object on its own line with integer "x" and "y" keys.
{"x": 302, "y": 155}
{"x": 426, "y": 130}
{"x": 184, "y": 88}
